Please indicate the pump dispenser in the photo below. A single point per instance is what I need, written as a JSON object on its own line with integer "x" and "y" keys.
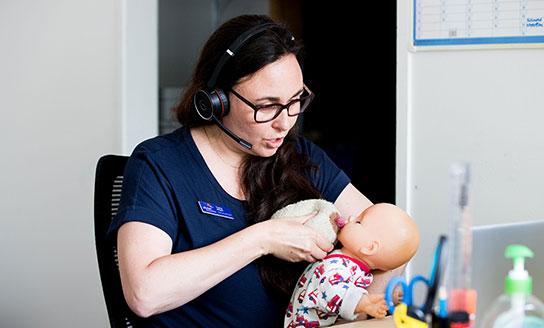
{"x": 517, "y": 307}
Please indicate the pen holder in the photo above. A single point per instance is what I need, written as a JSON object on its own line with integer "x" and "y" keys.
{"x": 439, "y": 322}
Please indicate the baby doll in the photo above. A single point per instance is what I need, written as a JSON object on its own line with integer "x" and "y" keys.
{"x": 383, "y": 237}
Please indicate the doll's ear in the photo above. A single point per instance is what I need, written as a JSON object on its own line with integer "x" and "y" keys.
{"x": 371, "y": 248}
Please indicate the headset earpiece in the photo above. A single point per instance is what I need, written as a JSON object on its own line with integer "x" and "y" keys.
{"x": 209, "y": 103}
{"x": 211, "y": 100}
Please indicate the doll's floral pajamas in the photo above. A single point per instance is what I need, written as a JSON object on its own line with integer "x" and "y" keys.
{"x": 327, "y": 289}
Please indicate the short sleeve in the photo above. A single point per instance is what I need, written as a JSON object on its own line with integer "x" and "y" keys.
{"x": 342, "y": 296}
{"x": 351, "y": 299}
{"x": 146, "y": 196}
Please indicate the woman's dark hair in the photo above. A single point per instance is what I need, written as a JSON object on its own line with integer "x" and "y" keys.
{"x": 268, "y": 183}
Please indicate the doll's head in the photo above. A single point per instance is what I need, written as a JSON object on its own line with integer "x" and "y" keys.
{"x": 383, "y": 236}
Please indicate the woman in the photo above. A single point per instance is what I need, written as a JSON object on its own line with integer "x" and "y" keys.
{"x": 195, "y": 244}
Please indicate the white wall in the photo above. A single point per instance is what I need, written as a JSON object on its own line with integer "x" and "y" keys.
{"x": 62, "y": 93}
{"x": 140, "y": 76}
{"x": 481, "y": 106}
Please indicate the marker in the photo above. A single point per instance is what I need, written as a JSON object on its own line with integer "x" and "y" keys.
{"x": 442, "y": 302}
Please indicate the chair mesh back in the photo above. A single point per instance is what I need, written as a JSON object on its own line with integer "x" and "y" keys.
{"x": 116, "y": 194}
{"x": 115, "y": 199}
{"x": 108, "y": 185}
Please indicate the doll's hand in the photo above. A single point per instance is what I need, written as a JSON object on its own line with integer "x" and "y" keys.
{"x": 289, "y": 239}
{"x": 398, "y": 295}
{"x": 373, "y": 304}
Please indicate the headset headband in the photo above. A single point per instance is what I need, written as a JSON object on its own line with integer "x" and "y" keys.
{"x": 231, "y": 51}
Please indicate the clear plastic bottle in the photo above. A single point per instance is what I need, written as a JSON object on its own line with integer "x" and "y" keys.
{"x": 517, "y": 307}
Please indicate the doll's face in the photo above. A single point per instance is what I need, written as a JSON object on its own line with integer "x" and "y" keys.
{"x": 383, "y": 237}
{"x": 359, "y": 231}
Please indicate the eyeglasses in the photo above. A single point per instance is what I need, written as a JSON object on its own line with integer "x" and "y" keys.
{"x": 267, "y": 113}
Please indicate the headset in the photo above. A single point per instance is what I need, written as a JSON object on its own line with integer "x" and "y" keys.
{"x": 212, "y": 103}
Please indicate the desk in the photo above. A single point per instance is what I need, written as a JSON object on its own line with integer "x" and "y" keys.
{"x": 387, "y": 322}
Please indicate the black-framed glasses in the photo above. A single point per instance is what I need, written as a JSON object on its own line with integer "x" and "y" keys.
{"x": 268, "y": 112}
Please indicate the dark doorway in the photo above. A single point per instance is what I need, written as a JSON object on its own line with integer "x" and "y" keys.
{"x": 351, "y": 67}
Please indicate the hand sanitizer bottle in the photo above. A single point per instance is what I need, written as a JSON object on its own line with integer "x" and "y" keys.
{"x": 517, "y": 307}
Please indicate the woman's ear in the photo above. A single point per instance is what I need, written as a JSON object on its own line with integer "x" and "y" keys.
{"x": 371, "y": 248}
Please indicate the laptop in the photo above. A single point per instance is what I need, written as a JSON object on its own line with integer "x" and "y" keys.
{"x": 490, "y": 267}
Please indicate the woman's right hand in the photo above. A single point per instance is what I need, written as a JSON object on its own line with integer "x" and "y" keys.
{"x": 289, "y": 239}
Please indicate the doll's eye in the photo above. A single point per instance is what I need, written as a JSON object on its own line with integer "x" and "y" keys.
{"x": 358, "y": 222}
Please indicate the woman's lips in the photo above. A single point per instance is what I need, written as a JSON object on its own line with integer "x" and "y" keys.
{"x": 274, "y": 143}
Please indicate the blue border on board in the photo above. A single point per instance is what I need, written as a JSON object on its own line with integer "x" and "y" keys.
{"x": 473, "y": 41}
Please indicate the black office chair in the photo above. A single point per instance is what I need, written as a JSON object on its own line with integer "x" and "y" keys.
{"x": 107, "y": 192}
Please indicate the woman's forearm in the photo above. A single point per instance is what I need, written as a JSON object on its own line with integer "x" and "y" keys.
{"x": 382, "y": 278}
{"x": 171, "y": 280}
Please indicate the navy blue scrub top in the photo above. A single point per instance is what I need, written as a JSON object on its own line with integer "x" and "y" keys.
{"x": 165, "y": 178}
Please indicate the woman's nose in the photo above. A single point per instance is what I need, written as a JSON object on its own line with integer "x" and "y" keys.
{"x": 284, "y": 121}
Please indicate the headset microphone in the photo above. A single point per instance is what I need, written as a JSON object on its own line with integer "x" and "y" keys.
{"x": 212, "y": 103}
{"x": 231, "y": 134}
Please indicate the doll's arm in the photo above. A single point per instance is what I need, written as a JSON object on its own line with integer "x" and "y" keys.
{"x": 372, "y": 304}
{"x": 381, "y": 279}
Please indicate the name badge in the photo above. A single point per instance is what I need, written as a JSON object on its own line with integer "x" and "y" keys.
{"x": 216, "y": 210}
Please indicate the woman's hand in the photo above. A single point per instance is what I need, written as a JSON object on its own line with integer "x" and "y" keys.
{"x": 289, "y": 239}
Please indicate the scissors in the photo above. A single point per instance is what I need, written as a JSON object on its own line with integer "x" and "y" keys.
{"x": 407, "y": 314}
